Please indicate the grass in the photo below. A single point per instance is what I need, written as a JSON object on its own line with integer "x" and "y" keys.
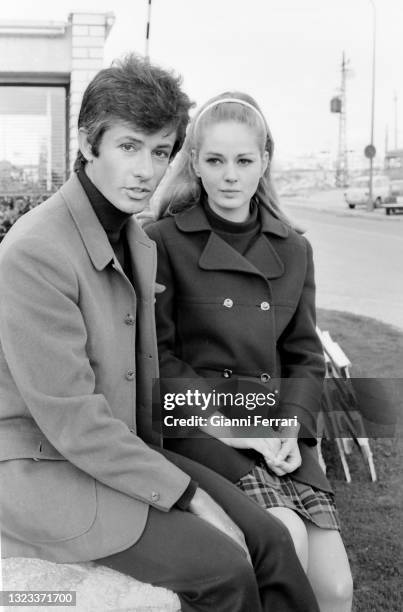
{"x": 371, "y": 513}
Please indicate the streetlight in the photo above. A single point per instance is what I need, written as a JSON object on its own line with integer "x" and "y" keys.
{"x": 370, "y": 150}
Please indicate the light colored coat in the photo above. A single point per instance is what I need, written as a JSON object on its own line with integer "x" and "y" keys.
{"x": 76, "y": 475}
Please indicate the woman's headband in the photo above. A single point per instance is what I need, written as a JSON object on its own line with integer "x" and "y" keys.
{"x": 237, "y": 101}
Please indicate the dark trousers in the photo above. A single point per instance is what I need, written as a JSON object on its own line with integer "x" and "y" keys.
{"x": 209, "y": 571}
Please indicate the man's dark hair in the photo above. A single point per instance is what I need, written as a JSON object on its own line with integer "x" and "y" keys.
{"x": 136, "y": 92}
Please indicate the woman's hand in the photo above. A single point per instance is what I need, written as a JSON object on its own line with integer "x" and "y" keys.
{"x": 288, "y": 458}
{"x": 204, "y": 506}
{"x": 280, "y": 453}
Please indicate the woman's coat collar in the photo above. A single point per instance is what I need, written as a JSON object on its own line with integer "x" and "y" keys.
{"x": 261, "y": 258}
{"x": 194, "y": 220}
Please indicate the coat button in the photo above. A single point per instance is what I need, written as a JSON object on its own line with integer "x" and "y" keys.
{"x": 265, "y": 377}
{"x": 130, "y": 374}
{"x": 129, "y": 319}
{"x": 227, "y": 373}
{"x": 265, "y": 306}
{"x": 228, "y": 303}
{"x": 155, "y": 496}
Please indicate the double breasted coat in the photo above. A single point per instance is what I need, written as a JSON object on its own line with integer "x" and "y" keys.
{"x": 77, "y": 357}
{"x": 249, "y": 316}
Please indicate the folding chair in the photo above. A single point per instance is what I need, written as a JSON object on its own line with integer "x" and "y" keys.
{"x": 340, "y": 411}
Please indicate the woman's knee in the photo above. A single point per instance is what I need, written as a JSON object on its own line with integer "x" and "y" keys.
{"x": 297, "y": 531}
{"x": 329, "y": 570}
{"x": 341, "y": 591}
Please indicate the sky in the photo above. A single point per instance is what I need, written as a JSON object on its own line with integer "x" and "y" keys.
{"x": 286, "y": 53}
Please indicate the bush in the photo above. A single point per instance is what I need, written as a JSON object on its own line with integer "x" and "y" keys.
{"x": 12, "y": 207}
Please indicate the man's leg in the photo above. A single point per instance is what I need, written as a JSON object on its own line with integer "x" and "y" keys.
{"x": 181, "y": 552}
{"x": 283, "y": 584}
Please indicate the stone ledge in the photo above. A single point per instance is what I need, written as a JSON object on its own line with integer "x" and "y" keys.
{"x": 98, "y": 588}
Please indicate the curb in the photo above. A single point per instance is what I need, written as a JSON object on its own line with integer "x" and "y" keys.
{"x": 376, "y": 215}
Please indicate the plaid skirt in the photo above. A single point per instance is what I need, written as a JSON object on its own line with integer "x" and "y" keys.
{"x": 270, "y": 491}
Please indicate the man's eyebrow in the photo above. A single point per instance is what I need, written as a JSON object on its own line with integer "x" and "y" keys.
{"x": 137, "y": 140}
{"x": 131, "y": 138}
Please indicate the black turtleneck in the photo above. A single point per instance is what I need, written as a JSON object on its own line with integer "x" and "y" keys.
{"x": 239, "y": 235}
{"x": 112, "y": 220}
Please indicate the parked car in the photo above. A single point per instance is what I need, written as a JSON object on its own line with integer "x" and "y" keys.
{"x": 397, "y": 187}
{"x": 358, "y": 192}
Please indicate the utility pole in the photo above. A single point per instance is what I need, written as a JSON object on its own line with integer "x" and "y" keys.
{"x": 386, "y": 138}
{"x": 395, "y": 101}
{"x": 148, "y": 27}
{"x": 342, "y": 159}
{"x": 370, "y": 150}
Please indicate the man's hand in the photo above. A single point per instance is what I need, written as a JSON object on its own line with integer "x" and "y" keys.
{"x": 204, "y": 506}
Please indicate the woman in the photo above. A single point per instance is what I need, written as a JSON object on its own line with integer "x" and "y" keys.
{"x": 239, "y": 304}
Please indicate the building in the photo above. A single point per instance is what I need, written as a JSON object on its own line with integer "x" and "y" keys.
{"x": 44, "y": 69}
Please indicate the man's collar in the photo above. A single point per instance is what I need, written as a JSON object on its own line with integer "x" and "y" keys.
{"x": 92, "y": 233}
{"x": 111, "y": 218}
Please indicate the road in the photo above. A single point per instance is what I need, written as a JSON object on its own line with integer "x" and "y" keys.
{"x": 358, "y": 258}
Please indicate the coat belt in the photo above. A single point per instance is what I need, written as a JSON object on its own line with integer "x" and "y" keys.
{"x": 26, "y": 445}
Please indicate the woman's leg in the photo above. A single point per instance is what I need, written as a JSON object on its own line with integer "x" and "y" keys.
{"x": 329, "y": 569}
{"x": 297, "y": 530}
{"x": 282, "y": 582}
{"x": 322, "y": 554}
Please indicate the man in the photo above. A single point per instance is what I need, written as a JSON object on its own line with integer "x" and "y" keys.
{"x": 79, "y": 475}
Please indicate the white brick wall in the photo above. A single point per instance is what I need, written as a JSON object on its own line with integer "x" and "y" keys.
{"x": 88, "y": 18}
{"x": 82, "y": 52}
{"x": 96, "y": 31}
{"x": 89, "y": 31}
{"x": 90, "y": 63}
{"x": 81, "y": 30}
{"x": 75, "y": 96}
{"x": 80, "y": 75}
{"x": 96, "y": 52}
{"x": 89, "y": 41}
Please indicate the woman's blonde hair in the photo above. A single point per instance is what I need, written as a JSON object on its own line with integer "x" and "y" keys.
{"x": 182, "y": 188}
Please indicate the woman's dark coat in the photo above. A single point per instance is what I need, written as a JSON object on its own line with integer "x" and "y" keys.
{"x": 250, "y": 316}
